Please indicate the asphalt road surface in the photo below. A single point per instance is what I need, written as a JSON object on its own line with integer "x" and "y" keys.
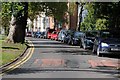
{"x": 53, "y": 59}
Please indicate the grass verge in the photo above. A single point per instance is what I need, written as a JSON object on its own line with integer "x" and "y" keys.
{"x": 10, "y": 51}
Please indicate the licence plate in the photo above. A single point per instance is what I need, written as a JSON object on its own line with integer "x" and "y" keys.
{"x": 115, "y": 49}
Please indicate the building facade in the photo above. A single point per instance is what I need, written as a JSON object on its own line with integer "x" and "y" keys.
{"x": 41, "y": 23}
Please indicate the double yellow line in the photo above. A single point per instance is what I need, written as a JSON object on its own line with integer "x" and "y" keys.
{"x": 19, "y": 63}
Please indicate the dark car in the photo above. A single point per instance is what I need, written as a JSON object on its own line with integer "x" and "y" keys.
{"x": 76, "y": 38}
{"x": 88, "y": 39}
{"x": 107, "y": 42}
{"x": 69, "y": 35}
{"x": 37, "y": 34}
{"x": 42, "y": 35}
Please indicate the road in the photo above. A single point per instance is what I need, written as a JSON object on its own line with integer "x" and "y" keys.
{"x": 53, "y": 59}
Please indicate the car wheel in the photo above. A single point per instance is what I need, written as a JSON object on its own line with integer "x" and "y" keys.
{"x": 63, "y": 41}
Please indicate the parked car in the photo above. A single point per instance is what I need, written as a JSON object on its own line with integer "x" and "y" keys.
{"x": 107, "y": 42}
{"x": 54, "y": 35}
{"x": 42, "y": 35}
{"x": 62, "y": 35}
{"x": 49, "y": 32}
{"x": 69, "y": 35}
{"x": 37, "y": 34}
{"x": 76, "y": 39}
{"x": 88, "y": 39}
{"x": 29, "y": 34}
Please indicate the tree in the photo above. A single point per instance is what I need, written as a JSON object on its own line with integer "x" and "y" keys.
{"x": 102, "y": 16}
{"x": 56, "y": 9}
{"x": 101, "y": 24}
{"x": 5, "y": 14}
{"x": 73, "y": 11}
{"x": 109, "y": 11}
{"x": 19, "y": 12}
{"x": 80, "y": 14}
{"x": 90, "y": 19}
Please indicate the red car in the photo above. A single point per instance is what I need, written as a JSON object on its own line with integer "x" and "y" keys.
{"x": 54, "y": 35}
{"x": 49, "y": 33}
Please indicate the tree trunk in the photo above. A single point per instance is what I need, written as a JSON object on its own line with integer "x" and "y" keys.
{"x": 73, "y": 19}
{"x": 18, "y": 26}
{"x": 12, "y": 30}
{"x": 80, "y": 17}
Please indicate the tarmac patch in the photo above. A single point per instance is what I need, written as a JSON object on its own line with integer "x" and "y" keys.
{"x": 104, "y": 63}
{"x": 49, "y": 62}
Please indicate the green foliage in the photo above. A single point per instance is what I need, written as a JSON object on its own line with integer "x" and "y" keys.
{"x": 34, "y": 8}
{"x": 102, "y": 16}
{"x": 72, "y": 7}
{"x": 8, "y": 9}
{"x": 57, "y": 9}
{"x": 5, "y": 15}
{"x": 101, "y": 24}
{"x": 110, "y": 11}
{"x": 90, "y": 20}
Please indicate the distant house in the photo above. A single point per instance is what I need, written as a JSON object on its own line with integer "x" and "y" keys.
{"x": 42, "y": 22}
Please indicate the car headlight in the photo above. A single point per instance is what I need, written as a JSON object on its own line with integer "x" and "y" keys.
{"x": 75, "y": 38}
{"x": 104, "y": 45}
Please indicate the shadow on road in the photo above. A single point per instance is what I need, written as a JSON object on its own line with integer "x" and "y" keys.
{"x": 40, "y": 46}
{"x": 48, "y": 43}
{"x": 35, "y": 70}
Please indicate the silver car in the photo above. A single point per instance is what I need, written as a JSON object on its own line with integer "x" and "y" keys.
{"x": 62, "y": 35}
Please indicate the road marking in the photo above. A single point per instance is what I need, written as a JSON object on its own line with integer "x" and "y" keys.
{"x": 26, "y": 58}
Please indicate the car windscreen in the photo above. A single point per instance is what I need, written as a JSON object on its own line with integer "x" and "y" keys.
{"x": 78, "y": 34}
{"x": 110, "y": 35}
{"x": 91, "y": 34}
